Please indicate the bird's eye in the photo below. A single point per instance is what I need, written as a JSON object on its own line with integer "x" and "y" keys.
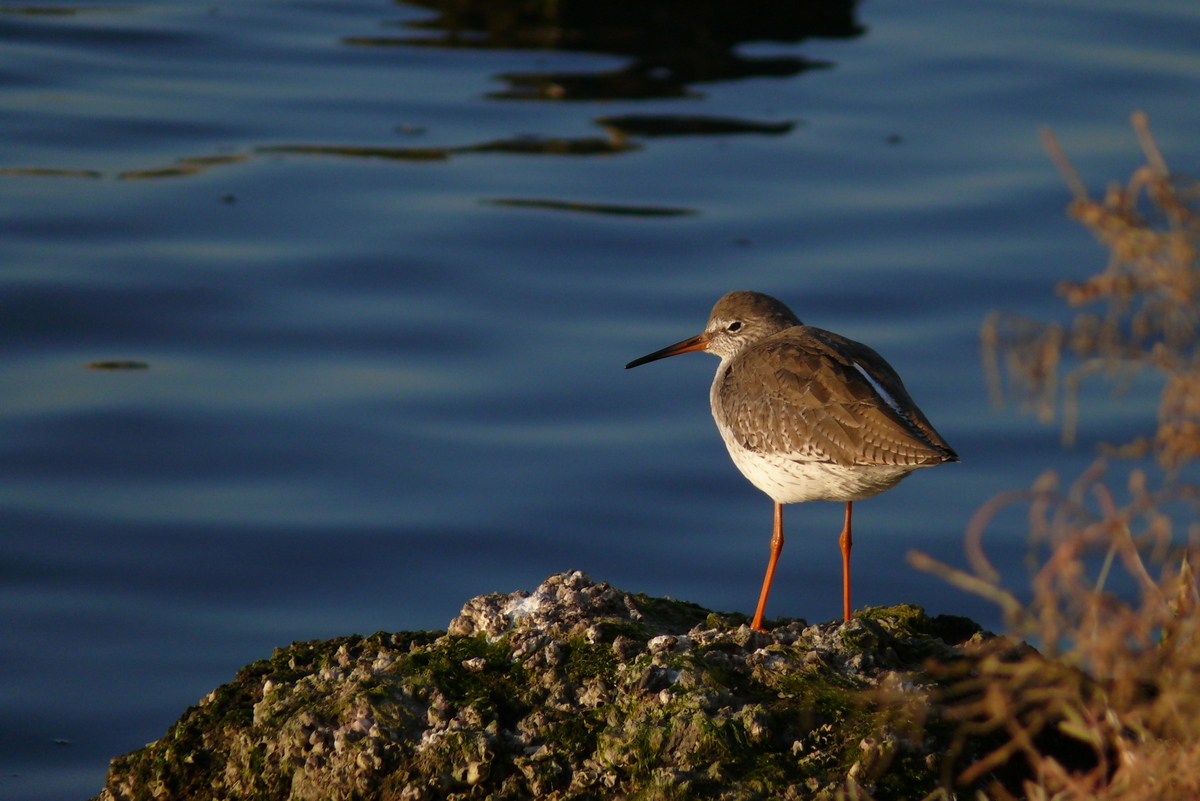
{"x": 735, "y": 326}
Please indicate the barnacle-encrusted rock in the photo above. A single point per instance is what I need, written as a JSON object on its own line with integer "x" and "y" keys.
{"x": 578, "y": 690}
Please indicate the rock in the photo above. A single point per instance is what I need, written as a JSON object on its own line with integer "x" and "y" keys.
{"x": 577, "y": 690}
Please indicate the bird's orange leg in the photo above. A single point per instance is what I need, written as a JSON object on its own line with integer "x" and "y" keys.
{"x": 776, "y": 549}
{"x": 847, "y": 542}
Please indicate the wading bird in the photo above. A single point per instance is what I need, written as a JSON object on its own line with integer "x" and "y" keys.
{"x": 807, "y": 415}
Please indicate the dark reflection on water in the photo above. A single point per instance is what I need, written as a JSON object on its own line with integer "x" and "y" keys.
{"x": 671, "y": 44}
{"x": 117, "y": 364}
{"x": 690, "y": 125}
{"x": 627, "y": 26}
{"x": 49, "y": 172}
{"x": 619, "y": 127}
{"x": 592, "y": 208}
{"x": 189, "y": 165}
{"x": 525, "y": 146}
{"x": 640, "y": 80}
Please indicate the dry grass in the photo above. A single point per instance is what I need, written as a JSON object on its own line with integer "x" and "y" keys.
{"x": 1110, "y": 707}
{"x": 1115, "y": 691}
{"x": 1150, "y": 294}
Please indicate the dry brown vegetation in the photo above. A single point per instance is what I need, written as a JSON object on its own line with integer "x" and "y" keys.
{"x": 1149, "y": 294}
{"x": 1110, "y": 707}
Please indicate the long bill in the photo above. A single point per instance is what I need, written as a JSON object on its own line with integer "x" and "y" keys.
{"x": 698, "y": 342}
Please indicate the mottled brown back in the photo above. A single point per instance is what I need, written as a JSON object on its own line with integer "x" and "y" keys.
{"x": 799, "y": 394}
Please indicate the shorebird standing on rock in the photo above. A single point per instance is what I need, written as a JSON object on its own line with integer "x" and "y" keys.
{"x": 808, "y": 415}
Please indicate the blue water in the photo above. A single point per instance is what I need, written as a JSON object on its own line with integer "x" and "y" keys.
{"x": 373, "y": 391}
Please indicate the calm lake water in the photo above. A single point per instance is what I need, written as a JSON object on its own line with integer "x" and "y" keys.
{"x": 380, "y": 275}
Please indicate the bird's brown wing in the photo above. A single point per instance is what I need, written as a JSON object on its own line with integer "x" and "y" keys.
{"x": 811, "y": 395}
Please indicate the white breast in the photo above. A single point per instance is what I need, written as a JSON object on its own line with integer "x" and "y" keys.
{"x": 790, "y": 481}
{"x": 795, "y": 480}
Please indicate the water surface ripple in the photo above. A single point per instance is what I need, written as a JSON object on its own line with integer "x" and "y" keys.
{"x": 378, "y": 275}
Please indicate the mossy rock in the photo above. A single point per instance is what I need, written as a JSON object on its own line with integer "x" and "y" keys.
{"x": 576, "y": 691}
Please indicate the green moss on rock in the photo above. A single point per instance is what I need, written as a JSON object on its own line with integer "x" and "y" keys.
{"x": 576, "y": 691}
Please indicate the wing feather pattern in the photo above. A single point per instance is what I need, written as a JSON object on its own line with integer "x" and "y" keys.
{"x": 811, "y": 395}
